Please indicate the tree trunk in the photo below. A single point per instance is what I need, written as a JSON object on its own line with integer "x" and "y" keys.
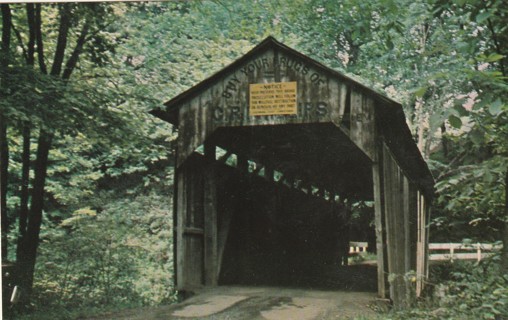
{"x": 4, "y": 160}
{"x": 28, "y": 251}
{"x": 504, "y": 253}
{"x": 4, "y": 146}
{"x": 25, "y": 176}
{"x": 30, "y": 17}
{"x": 63, "y": 30}
{"x": 421, "y": 128}
{"x": 28, "y": 244}
{"x": 27, "y": 247}
{"x": 444, "y": 141}
{"x": 38, "y": 37}
{"x": 73, "y": 60}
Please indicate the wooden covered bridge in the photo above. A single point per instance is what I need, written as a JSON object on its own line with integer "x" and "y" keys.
{"x": 300, "y": 138}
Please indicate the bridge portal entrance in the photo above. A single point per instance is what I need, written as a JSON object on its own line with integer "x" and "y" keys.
{"x": 270, "y": 152}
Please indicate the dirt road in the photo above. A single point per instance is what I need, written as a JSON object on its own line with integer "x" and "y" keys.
{"x": 260, "y": 303}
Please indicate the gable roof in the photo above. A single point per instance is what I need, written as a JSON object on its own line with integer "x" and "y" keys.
{"x": 394, "y": 128}
{"x": 170, "y": 114}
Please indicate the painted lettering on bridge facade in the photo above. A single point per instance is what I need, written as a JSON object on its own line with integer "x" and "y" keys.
{"x": 269, "y": 67}
{"x": 234, "y": 113}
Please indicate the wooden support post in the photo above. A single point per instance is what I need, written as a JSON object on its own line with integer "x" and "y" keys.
{"x": 223, "y": 233}
{"x": 257, "y": 169}
{"x": 346, "y": 235}
{"x": 427, "y": 238}
{"x": 418, "y": 245}
{"x": 378, "y": 219}
{"x": 181, "y": 211}
{"x": 210, "y": 208}
{"x": 225, "y": 157}
{"x": 413, "y": 218}
{"x": 269, "y": 173}
{"x": 407, "y": 238}
{"x": 242, "y": 163}
{"x": 407, "y": 229}
{"x": 210, "y": 218}
{"x": 388, "y": 209}
{"x": 209, "y": 152}
{"x": 400, "y": 236}
{"x": 421, "y": 264}
{"x": 393, "y": 191}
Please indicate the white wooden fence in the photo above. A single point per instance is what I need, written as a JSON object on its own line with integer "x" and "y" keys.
{"x": 357, "y": 247}
{"x": 460, "y": 251}
{"x": 444, "y": 251}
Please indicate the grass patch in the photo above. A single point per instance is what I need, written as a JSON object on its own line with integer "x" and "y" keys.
{"x": 361, "y": 257}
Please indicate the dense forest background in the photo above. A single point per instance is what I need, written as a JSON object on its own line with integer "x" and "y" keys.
{"x": 86, "y": 171}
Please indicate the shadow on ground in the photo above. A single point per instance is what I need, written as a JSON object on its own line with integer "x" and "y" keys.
{"x": 346, "y": 293}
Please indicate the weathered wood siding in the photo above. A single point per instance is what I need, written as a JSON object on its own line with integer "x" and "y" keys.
{"x": 405, "y": 223}
{"x": 320, "y": 98}
{"x": 422, "y": 261}
{"x": 209, "y": 200}
{"x": 189, "y": 225}
{"x": 362, "y": 131}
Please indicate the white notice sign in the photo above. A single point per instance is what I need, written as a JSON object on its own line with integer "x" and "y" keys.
{"x": 276, "y": 98}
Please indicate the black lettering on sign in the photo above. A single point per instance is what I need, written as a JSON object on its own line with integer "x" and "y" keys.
{"x": 317, "y": 79}
{"x": 272, "y": 86}
{"x": 307, "y": 110}
{"x": 224, "y": 115}
{"x": 257, "y": 64}
{"x": 234, "y": 113}
{"x": 361, "y": 117}
{"x": 266, "y": 65}
{"x": 218, "y": 114}
{"x": 310, "y": 109}
{"x": 295, "y": 65}
{"x": 232, "y": 86}
{"x": 322, "y": 109}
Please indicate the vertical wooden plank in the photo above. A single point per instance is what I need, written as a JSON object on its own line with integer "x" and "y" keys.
{"x": 210, "y": 232}
{"x": 193, "y": 234}
{"x": 413, "y": 221}
{"x": 387, "y": 182}
{"x": 193, "y": 260}
{"x": 407, "y": 237}
{"x": 269, "y": 173}
{"x": 179, "y": 246}
{"x": 222, "y": 234}
{"x": 210, "y": 217}
{"x": 407, "y": 241}
{"x": 398, "y": 229}
{"x": 242, "y": 163}
{"x": 338, "y": 112}
{"x": 362, "y": 131}
{"x": 404, "y": 245}
{"x": 378, "y": 219}
{"x": 427, "y": 236}
{"x": 395, "y": 233}
{"x": 420, "y": 255}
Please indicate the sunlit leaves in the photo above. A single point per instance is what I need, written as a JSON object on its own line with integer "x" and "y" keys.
{"x": 120, "y": 255}
{"x": 455, "y": 121}
{"x": 495, "y": 107}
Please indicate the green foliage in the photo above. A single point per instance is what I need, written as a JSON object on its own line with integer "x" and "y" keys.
{"x": 361, "y": 257}
{"x": 120, "y": 255}
{"x": 106, "y": 238}
{"x": 463, "y": 290}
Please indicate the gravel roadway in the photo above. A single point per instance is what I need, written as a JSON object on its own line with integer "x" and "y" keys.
{"x": 263, "y": 303}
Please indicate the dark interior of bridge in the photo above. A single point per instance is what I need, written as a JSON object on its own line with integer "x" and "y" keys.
{"x": 285, "y": 206}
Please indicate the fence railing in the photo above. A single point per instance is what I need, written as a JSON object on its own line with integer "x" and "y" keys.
{"x": 460, "y": 251}
{"x": 357, "y": 247}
